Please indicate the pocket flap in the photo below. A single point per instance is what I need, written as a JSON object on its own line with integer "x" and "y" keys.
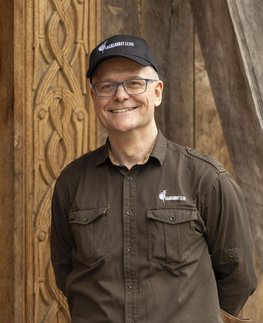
{"x": 172, "y": 216}
{"x": 85, "y": 216}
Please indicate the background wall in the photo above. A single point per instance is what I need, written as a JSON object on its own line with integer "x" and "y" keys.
{"x": 47, "y": 119}
{"x": 188, "y": 114}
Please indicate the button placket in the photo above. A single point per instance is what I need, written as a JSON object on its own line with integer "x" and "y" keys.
{"x": 129, "y": 253}
{"x": 129, "y": 178}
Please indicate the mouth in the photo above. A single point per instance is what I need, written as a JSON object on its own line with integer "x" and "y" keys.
{"x": 122, "y": 110}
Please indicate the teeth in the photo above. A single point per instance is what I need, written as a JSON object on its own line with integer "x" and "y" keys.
{"x": 122, "y": 110}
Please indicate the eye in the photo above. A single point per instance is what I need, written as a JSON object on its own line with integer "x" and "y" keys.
{"x": 105, "y": 87}
{"x": 135, "y": 84}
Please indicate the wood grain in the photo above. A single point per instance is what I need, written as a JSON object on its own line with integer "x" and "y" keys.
{"x": 47, "y": 117}
{"x": 234, "y": 70}
{"x": 6, "y": 163}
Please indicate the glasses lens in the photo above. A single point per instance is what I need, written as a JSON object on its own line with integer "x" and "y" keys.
{"x": 135, "y": 86}
{"x": 105, "y": 88}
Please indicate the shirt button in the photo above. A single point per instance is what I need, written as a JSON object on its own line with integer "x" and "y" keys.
{"x": 172, "y": 218}
{"x": 131, "y": 285}
{"x": 129, "y": 178}
{"x": 129, "y": 212}
{"x": 129, "y": 249}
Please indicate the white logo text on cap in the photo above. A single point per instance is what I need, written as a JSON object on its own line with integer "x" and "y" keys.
{"x": 104, "y": 46}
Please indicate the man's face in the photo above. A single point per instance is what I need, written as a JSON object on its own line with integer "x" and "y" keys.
{"x": 124, "y": 112}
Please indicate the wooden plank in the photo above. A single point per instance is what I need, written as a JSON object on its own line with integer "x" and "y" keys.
{"x": 227, "y": 59}
{"x": 52, "y": 125}
{"x": 233, "y": 99}
{"x": 19, "y": 200}
{"x": 173, "y": 45}
{"x": 209, "y": 137}
{"x": 6, "y": 163}
{"x": 247, "y": 17}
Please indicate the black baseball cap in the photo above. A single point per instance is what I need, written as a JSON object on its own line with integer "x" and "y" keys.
{"x": 132, "y": 47}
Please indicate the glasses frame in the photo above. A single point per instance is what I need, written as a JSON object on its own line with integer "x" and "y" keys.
{"x": 117, "y": 84}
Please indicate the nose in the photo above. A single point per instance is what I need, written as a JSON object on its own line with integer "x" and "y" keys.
{"x": 121, "y": 93}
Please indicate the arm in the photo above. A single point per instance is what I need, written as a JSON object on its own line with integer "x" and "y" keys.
{"x": 230, "y": 244}
{"x": 61, "y": 241}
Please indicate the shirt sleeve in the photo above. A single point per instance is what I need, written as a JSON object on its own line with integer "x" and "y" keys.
{"x": 61, "y": 241}
{"x": 230, "y": 243}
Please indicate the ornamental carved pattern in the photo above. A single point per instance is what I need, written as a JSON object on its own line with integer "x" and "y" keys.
{"x": 64, "y": 126}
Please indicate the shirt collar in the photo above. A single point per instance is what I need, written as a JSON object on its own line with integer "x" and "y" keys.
{"x": 159, "y": 148}
{"x": 158, "y": 152}
{"x": 104, "y": 153}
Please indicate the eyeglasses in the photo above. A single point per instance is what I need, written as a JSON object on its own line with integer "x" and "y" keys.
{"x": 132, "y": 86}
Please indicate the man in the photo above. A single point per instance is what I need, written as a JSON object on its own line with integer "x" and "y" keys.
{"x": 144, "y": 230}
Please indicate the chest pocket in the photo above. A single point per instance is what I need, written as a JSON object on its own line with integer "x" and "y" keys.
{"x": 170, "y": 234}
{"x": 90, "y": 228}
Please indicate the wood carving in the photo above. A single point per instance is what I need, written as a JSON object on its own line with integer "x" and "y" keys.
{"x": 63, "y": 127}
{"x": 54, "y": 121}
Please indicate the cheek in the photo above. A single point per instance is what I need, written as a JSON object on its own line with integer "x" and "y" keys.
{"x": 151, "y": 102}
{"x": 99, "y": 112}
{"x": 96, "y": 107}
{"x": 99, "y": 106}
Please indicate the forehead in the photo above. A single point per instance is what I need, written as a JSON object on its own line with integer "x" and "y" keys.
{"x": 120, "y": 66}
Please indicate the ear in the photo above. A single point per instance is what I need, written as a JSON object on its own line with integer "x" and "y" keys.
{"x": 158, "y": 91}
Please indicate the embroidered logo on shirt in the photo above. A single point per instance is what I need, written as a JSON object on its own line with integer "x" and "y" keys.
{"x": 164, "y": 197}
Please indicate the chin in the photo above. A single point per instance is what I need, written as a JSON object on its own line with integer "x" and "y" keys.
{"x": 123, "y": 129}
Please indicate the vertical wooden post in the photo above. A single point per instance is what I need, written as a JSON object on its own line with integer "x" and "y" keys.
{"x": 230, "y": 33}
{"x": 169, "y": 30}
{"x": 6, "y": 162}
{"x": 54, "y": 123}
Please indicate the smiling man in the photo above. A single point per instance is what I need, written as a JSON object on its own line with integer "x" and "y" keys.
{"x": 125, "y": 95}
{"x": 144, "y": 230}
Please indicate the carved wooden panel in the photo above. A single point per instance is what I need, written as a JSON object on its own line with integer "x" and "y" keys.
{"x": 54, "y": 120}
{"x": 58, "y": 125}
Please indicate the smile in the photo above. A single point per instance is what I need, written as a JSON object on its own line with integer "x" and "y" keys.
{"x": 122, "y": 110}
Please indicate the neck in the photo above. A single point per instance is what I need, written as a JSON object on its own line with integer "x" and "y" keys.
{"x": 129, "y": 150}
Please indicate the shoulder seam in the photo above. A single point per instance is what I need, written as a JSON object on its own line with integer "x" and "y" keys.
{"x": 206, "y": 158}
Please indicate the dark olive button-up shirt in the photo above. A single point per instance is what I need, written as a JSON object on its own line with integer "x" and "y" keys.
{"x": 164, "y": 242}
